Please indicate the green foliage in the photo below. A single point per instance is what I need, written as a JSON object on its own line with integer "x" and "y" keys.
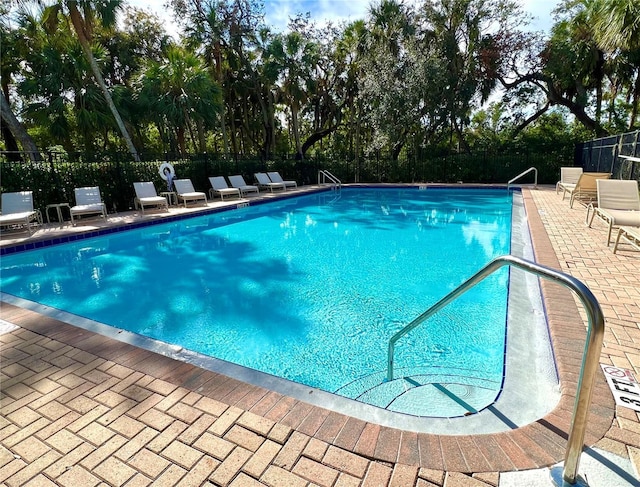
{"x": 408, "y": 79}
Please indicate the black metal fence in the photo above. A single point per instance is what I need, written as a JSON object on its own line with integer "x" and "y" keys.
{"x": 617, "y": 154}
{"x": 53, "y": 177}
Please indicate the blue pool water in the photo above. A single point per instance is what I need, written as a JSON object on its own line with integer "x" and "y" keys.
{"x": 309, "y": 288}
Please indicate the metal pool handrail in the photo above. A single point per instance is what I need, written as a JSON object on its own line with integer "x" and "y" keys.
{"x": 593, "y": 345}
{"x": 535, "y": 181}
{"x": 323, "y": 175}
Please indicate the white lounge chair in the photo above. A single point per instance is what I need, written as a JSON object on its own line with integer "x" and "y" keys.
{"x": 568, "y": 178}
{"x": 17, "y": 210}
{"x": 264, "y": 182}
{"x": 220, "y": 187}
{"x": 186, "y": 192}
{"x": 238, "y": 182}
{"x": 88, "y": 202}
{"x": 630, "y": 234}
{"x": 618, "y": 204}
{"x": 585, "y": 189}
{"x": 276, "y": 178}
{"x": 146, "y": 196}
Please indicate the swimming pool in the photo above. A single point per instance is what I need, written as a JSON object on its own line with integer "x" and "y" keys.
{"x": 278, "y": 286}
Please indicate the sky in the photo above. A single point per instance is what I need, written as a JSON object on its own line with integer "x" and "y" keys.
{"x": 278, "y": 12}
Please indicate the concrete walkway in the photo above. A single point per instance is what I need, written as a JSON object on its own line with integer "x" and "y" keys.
{"x": 79, "y": 409}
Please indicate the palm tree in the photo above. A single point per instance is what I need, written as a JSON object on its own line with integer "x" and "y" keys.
{"x": 178, "y": 93}
{"x": 83, "y": 24}
{"x": 295, "y": 58}
{"x": 617, "y": 24}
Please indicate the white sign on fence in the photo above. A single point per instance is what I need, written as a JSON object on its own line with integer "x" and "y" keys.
{"x": 624, "y": 386}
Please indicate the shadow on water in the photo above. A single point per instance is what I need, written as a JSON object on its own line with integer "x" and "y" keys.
{"x": 161, "y": 279}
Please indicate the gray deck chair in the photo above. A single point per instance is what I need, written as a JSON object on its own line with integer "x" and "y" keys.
{"x": 276, "y": 178}
{"x": 17, "y": 210}
{"x": 88, "y": 202}
{"x": 239, "y": 182}
{"x": 264, "y": 182}
{"x": 146, "y": 195}
{"x": 186, "y": 191}
{"x": 220, "y": 187}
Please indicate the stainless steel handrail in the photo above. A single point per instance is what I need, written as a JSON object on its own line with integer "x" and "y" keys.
{"x": 590, "y": 358}
{"x": 323, "y": 175}
{"x": 535, "y": 181}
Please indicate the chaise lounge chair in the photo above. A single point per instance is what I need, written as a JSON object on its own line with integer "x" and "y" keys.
{"x": 276, "y": 178}
{"x": 88, "y": 202}
{"x": 585, "y": 189}
{"x": 618, "y": 204}
{"x": 265, "y": 182}
{"x": 630, "y": 234}
{"x": 186, "y": 191}
{"x": 239, "y": 183}
{"x": 146, "y": 196}
{"x": 568, "y": 178}
{"x": 219, "y": 187}
{"x": 17, "y": 210}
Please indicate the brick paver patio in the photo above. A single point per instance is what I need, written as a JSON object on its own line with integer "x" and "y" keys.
{"x": 78, "y": 409}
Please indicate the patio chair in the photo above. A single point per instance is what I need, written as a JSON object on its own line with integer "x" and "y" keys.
{"x": 220, "y": 187}
{"x": 630, "y": 234}
{"x": 618, "y": 204}
{"x": 88, "y": 202}
{"x": 17, "y": 210}
{"x": 264, "y": 182}
{"x": 239, "y": 182}
{"x": 585, "y": 189}
{"x": 568, "y": 178}
{"x": 186, "y": 192}
{"x": 276, "y": 178}
{"x": 146, "y": 196}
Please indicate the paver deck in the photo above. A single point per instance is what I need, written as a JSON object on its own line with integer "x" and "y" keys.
{"x": 80, "y": 409}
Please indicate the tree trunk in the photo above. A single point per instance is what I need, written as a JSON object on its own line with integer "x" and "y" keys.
{"x": 635, "y": 103}
{"x": 223, "y": 121}
{"x": 10, "y": 141}
{"x": 180, "y": 135}
{"x": 18, "y": 131}
{"x": 296, "y": 132}
{"x": 78, "y": 24}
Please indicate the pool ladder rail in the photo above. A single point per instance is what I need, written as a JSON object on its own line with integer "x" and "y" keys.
{"x": 524, "y": 173}
{"x": 595, "y": 336}
{"x": 325, "y": 177}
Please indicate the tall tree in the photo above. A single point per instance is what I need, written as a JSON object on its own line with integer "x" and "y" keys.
{"x": 386, "y": 74}
{"x": 180, "y": 96}
{"x": 467, "y": 38}
{"x": 12, "y": 130}
{"x": 294, "y": 58}
{"x": 83, "y": 23}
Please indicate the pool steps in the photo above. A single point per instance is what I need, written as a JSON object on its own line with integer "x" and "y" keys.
{"x": 426, "y": 392}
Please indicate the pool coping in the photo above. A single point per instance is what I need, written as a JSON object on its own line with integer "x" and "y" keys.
{"x": 538, "y": 444}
